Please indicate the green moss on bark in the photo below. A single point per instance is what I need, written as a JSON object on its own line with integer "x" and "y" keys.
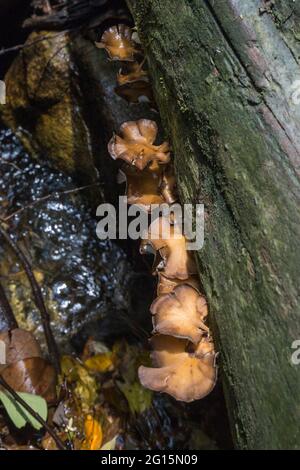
{"x": 232, "y": 126}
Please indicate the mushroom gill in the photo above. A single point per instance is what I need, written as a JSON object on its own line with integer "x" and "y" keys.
{"x": 135, "y": 146}
{"x": 165, "y": 285}
{"x": 179, "y": 371}
{"x": 181, "y": 314}
{"x": 118, "y": 42}
{"x": 168, "y": 239}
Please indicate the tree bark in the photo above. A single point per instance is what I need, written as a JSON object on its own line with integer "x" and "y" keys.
{"x": 226, "y": 77}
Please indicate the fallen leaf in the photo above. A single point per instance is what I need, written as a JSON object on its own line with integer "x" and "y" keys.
{"x": 93, "y": 434}
{"x": 100, "y": 363}
{"x": 139, "y": 398}
{"x": 33, "y": 375}
{"x": 110, "y": 445}
{"x": 17, "y": 413}
{"x": 19, "y": 344}
{"x": 85, "y": 386}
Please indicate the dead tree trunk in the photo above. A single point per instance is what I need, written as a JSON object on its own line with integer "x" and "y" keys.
{"x": 227, "y": 81}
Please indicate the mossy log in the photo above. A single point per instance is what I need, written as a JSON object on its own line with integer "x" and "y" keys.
{"x": 226, "y": 78}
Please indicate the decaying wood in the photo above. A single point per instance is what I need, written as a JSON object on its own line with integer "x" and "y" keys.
{"x": 226, "y": 78}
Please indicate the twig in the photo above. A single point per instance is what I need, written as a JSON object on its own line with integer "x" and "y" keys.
{"x": 6, "y": 310}
{"x": 45, "y": 198}
{"x": 28, "y": 408}
{"x": 30, "y": 44}
{"x": 38, "y": 298}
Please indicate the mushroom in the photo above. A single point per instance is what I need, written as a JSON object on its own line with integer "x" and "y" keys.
{"x": 181, "y": 314}
{"x": 171, "y": 244}
{"x": 179, "y": 371}
{"x": 135, "y": 146}
{"x": 118, "y": 42}
{"x": 134, "y": 73}
{"x": 142, "y": 188}
{"x": 165, "y": 285}
{"x": 136, "y": 92}
{"x": 168, "y": 185}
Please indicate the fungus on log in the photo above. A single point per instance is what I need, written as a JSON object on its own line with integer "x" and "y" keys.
{"x": 135, "y": 146}
{"x": 118, "y": 43}
{"x": 180, "y": 313}
{"x": 184, "y": 372}
{"x": 142, "y": 188}
{"x": 132, "y": 73}
{"x": 225, "y": 79}
{"x": 178, "y": 263}
{"x": 166, "y": 285}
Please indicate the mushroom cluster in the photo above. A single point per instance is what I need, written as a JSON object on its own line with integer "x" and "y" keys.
{"x": 183, "y": 351}
{"x": 122, "y": 44}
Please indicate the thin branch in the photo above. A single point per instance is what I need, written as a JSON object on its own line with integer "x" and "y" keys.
{"x": 6, "y": 310}
{"x": 46, "y": 198}
{"x": 38, "y": 298}
{"x": 28, "y": 408}
{"x": 30, "y": 44}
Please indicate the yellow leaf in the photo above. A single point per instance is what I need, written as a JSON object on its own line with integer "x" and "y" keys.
{"x": 99, "y": 362}
{"x": 85, "y": 385}
{"x": 93, "y": 434}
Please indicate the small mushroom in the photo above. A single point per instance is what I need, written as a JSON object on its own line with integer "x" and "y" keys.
{"x": 168, "y": 239}
{"x": 136, "y": 92}
{"x": 181, "y": 314}
{"x": 165, "y": 285}
{"x": 168, "y": 185}
{"x": 118, "y": 42}
{"x": 142, "y": 188}
{"x": 133, "y": 73}
{"x": 179, "y": 372}
{"x": 135, "y": 146}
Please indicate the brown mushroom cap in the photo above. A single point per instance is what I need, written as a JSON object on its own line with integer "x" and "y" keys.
{"x": 179, "y": 373}
{"x": 117, "y": 41}
{"x": 136, "y": 92}
{"x": 142, "y": 188}
{"x": 135, "y": 146}
{"x": 181, "y": 314}
{"x": 171, "y": 243}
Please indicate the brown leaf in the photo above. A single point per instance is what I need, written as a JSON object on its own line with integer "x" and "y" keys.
{"x": 20, "y": 345}
{"x": 33, "y": 375}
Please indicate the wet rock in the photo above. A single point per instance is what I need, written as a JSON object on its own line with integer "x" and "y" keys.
{"x": 44, "y": 105}
{"x": 87, "y": 283}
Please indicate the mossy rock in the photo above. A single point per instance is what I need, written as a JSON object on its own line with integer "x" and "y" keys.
{"x": 43, "y": 104}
